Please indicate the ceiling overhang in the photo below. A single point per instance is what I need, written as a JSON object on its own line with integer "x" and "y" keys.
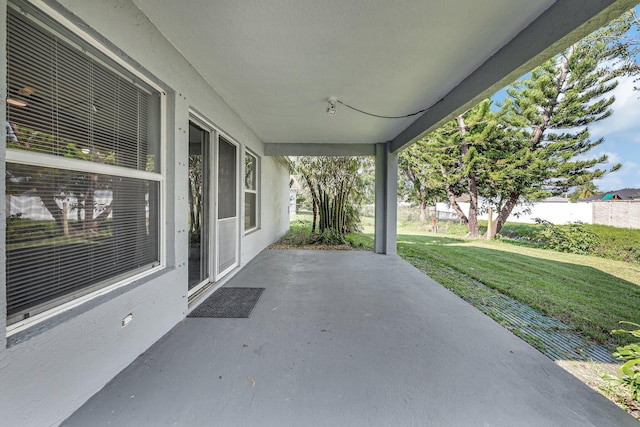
{"x": 277, "y": 63}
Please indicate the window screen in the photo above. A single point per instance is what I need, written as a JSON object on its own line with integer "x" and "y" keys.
{"x": 226, "y": 179}
{"x": 250, "y": 191}
{"x": 72, "y": 227}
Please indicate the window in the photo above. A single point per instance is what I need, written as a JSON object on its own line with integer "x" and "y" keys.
{"x": 83, "y": 182}
{"x": 251, "y": 212}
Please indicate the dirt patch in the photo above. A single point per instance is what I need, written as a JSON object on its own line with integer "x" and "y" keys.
{"x": 590, "y": 373}
{"x": 319, "y": 247}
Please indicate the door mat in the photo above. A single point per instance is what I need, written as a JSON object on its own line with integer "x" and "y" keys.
{"x": 229, "y": 303}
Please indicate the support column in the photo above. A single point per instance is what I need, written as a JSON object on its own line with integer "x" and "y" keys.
{"x": 385, "y": 236}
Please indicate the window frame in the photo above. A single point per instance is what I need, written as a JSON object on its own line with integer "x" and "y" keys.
{"x": 256, "y": 192}
{"x": 59, "y": 25}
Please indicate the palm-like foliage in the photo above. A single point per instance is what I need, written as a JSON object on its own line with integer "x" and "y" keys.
{"x": 336, "y": 186}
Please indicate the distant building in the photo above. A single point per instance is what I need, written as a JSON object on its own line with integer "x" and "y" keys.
{"x": 624, "y": 194}
{"x": 294, "y": 187}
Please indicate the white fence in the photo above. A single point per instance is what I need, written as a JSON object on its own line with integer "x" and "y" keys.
{"x": 560, "y": 212}
{"x": 618, "y": 213}
{"x": 31, "y": 207}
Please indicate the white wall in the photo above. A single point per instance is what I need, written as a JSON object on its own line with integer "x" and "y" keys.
{"x": 274, "y": 209}
{"x": 49, "y": 370}
{"x": 617, "y": 213}
{"x": 554, "y": 212}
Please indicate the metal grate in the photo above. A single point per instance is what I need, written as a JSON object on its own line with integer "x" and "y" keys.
{"x": 554, "y": 339}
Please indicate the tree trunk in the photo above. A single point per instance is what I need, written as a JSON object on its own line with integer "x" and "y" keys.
{"x": 89, "y": 203}
{"x": 423, "y": 210}
{"x": 505, "y": 212}
{"x": 49, "y": 202}
{"x": 65, "y": 220}
{"x": 315, "y": 202}
{"x": 546, "y": 114}
{"x": 324, "y": 210}
{"x": 472, "y": 223}
{"x": 452, "y": 197}
{"x": 100, "y": 218}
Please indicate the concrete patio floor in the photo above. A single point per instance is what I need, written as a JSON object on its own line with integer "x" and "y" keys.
{"x": 345, "y": 339}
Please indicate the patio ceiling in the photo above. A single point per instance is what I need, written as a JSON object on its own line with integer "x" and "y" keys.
{"x": 276, "y": 63}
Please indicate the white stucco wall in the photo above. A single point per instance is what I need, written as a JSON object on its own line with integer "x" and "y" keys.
{"x": 274, "y": 208}
{"x": 50, "y": 369}
{"x": 554, "y": 212}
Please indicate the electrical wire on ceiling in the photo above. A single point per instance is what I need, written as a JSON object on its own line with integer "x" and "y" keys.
{"x": 331, "y": 110}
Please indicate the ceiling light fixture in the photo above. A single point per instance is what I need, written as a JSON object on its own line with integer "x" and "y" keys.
{"x": 17, "y": 102}
{"x": 26, "y": 91}
{"x": 331, "y": 109}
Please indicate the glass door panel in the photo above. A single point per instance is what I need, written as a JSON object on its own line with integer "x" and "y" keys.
{"x": 198, "y": 205}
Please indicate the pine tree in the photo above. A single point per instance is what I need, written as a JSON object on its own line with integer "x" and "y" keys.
{"x": 546, "y": 118}
{"x": 537, "y": 144}
{"x": 420, "y": 182}
{"x": 457, "y": 157}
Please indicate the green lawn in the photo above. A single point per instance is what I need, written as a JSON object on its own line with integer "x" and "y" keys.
{"x": 587, "y": 292}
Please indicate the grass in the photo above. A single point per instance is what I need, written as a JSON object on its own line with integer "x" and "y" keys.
{"x": 25, "y": 233}
{"x": 590, "y": 294}
{"x": 620, "y": 244}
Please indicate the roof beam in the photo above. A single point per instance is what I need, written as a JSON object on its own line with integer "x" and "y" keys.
{"x": 312, "y": 149}
{"x": 564, "y": 23}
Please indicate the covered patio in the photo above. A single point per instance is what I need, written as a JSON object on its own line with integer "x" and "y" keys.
{"x": 345, "y": 338}
{"x": 216, "y": 95}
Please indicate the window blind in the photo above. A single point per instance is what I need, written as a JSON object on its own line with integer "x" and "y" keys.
{"x": 72, "y": 230}
{"x": 64, "y": 102}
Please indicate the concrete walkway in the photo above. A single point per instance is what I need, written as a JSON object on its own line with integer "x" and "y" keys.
{"x": 345, "y": 339}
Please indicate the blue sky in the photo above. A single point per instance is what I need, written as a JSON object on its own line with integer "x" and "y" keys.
{"x": 621, "y": 132}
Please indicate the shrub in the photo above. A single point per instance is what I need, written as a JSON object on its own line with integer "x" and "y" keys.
{"x": 574, "y": 238}
{"x": 630, "y": 354}
{"x": 328, "y": 237}
{"x": 352, "y": 219}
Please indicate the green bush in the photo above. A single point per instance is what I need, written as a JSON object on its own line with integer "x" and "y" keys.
{"x": 352, "y": 222}
{"x": 617, "y": 243}
{"x": 520, "y": 231}
{"x": 630, "y": 354}
{"x": 574, "y": 238}
{"x": 622, "y": 244}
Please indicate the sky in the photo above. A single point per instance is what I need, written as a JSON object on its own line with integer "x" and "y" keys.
{"x": 621, "y": 132}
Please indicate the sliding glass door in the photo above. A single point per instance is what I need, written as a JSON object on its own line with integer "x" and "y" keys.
{"x": 199, "y": 185}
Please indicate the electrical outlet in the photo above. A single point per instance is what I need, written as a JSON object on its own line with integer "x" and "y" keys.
{"x": 127, "y": 319}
